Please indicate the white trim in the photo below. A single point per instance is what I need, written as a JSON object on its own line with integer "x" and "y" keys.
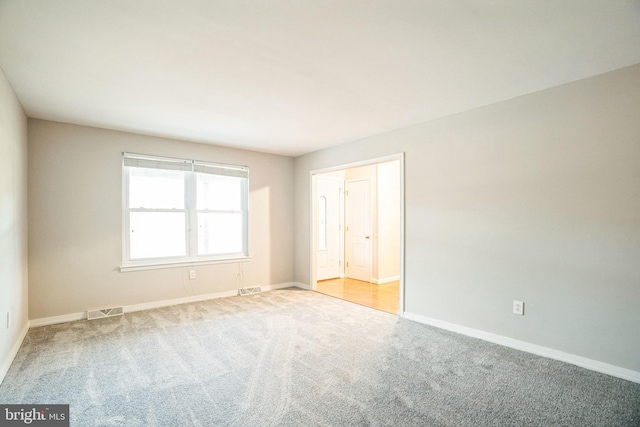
{"x": 284, "y": 285}
{"x": 300, "y": 285}
{"x": 385, "y": 280}
{"x": 176, "y": 301}
{"x": 53, "y": 320}
{"x": 583, "y": 362}
{"x": 198, "y": 298}
{"x": 6, "y": 364}
{"x": 44, "y": 321}
{"x": 151, "y": 266}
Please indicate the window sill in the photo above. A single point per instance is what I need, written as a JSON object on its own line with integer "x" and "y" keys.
{"x": 153, "y": 266}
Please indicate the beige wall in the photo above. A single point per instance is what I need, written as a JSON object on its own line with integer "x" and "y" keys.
{"x": 536, "y": 199}
{"x": 75, "y": 233}
{"x": 13, "y": 222}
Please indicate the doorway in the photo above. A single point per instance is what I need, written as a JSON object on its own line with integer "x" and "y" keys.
{"x": 357, "y": 233}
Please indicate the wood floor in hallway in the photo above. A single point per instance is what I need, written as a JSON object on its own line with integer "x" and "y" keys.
{"x": 385, "y": 297}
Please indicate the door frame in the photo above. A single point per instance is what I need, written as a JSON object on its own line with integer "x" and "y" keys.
{"x": 312, "y": 217}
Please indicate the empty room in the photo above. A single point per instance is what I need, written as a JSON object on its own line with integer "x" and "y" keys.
{"x": 276, "y": 213}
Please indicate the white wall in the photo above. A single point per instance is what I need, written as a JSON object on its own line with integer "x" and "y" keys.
{"x": 75, "y": 233}
{"x": 13, "y": 223}
{"x": 536, "y": 199}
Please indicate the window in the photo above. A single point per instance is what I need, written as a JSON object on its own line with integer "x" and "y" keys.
{"x": 183, "y": 211}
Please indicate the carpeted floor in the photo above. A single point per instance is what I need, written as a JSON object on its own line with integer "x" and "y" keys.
{"x": 299, "y": 358}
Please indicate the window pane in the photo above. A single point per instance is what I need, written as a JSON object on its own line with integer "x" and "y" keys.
{"x": 157, "y": 234}
{"x": 219, "y": 193}
{"x": 219, "y": 233}
{"x": 156, "y": 188}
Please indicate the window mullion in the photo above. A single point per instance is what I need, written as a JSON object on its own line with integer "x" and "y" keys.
{"x": 245, "y": 216}
{"x": 126, "y": 238}
{"x": 192, "y": 218}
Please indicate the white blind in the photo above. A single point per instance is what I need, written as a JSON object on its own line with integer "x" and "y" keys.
{"x": 142, "y": 161}
{"x": 139, "y": 161}
{"x": 226, "y": 170}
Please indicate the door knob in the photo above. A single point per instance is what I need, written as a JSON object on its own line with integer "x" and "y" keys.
{"x": 366, "y": 237}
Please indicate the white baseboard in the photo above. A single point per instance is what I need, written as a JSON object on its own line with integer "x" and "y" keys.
{"x": 385, "y": 280}
{"x": 44, "y": 321}
{"x": 176, "y": 301}
{"x": 284, "y": 285}
{"x": 594, "y": 365}
{"x": 6, "y": 364}
{"x": 64, "y": 318}
{"x": 300, "y": 285}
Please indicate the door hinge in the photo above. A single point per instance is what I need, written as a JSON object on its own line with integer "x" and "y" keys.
{"x": 347, "y": 263}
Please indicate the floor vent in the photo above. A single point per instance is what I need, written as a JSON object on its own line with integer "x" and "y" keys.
{"x": 249, "y": 291}
{"x": 105, "y": 312}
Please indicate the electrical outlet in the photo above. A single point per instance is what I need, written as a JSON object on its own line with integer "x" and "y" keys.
{"x": 518, "y": 308}
{"x": 192, "y": 274}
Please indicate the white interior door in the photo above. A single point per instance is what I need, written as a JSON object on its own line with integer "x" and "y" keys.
{"x": 358, "y": 229}
{"x": 328, "y": 206}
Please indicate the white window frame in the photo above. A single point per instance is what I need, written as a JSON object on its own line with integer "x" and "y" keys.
{"x": 191, "y": 232}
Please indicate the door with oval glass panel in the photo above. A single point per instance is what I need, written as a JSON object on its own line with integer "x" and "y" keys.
{"x": 328, "y": 248}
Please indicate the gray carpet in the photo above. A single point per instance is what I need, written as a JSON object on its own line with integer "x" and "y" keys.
{"x": 292, "y": 358}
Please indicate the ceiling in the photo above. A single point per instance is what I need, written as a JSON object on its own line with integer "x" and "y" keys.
{"x": 291, "y": 77}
